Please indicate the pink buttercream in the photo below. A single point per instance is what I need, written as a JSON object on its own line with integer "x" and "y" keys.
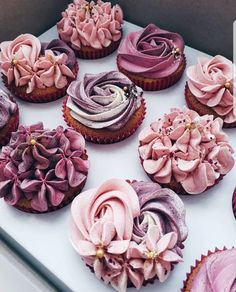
{"x": 94, "y": 24}
{"x": 211, "y": 81}
{"x": 188, "y": 147}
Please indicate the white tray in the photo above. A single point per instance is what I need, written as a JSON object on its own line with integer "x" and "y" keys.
{"x": 44, "y": 238}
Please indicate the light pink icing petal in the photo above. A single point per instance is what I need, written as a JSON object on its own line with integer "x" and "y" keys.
{"x": 171, "y": 256}
{"x": 152, "y": 237}
{"x": 188, "y": 166}
{"x": 98, "y": 268}
{"x": 161, "y": 273}
{"x": 136, "y": 263}
{"x": 102, "y": 232}
{"x": 182, "y": 142}
{"x": 168, "y": 241}
{"x": 148, "y": 269}
{"x": 164, "y": 175}
{"x": 120, "y": 282}
{"x": 118, "y": 246}
{"x": 153, "y": 166}
{"x": 86, "y": 248}
{"x": 135, "y": 278}
{"x": 147, "y": 135}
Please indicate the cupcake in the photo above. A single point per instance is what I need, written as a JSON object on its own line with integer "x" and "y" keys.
{"x": 152, "y": 58}
{"x": 9, "y": 117}
{"x": 105, "y": 107}
{"x": 234, "y": 203}
{"x": 186, "y": 152}
{"x": 92, "y": 29}
{"x": 209, "y": 89}
{"x": 37, "y": 72}
{"x": 128, "y": 233}
{"x": 214, "y": 272}
{"x": 42, "y": 170}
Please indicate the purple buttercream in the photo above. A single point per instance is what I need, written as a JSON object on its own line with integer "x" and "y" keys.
{"x": 7, "y": 108}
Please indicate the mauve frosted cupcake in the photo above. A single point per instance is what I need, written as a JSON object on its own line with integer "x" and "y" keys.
{"x": 105, "y": 107}
{"x": 128, "y": 234}
{"x": 152, "y": 58}
{"x": 42, "y": 170}
{"x": 37, "y": 72}
{"x": 92, "y": 29}
{"x": 210, "y": 89}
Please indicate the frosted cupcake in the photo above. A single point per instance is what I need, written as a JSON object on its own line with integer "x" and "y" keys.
{"x": 92, "y": 29}
{"x": 186, "y": 152}
{"x": 42, "y": 170}
{"x": 128, "y": 233}
{"x": 37, "y": 72}
{"x": 210, "y": 89}
{"x": 105, "y": 107}
{"x": 152, "y": 58}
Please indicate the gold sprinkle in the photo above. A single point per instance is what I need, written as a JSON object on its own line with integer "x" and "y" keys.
{"x": 33, "y": 142}
{"x": 100, "y": 253}
{"x": 151, "y": 255}
{"x": 14, "y": 62}
{"x": 188, "y": 126}
{"x": 227, "y": 85}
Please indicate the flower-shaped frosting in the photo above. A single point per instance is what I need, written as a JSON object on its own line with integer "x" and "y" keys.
{"x": 7, "y": 108}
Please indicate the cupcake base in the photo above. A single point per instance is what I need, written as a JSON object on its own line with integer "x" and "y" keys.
{"x": 202, "y": 109}
{"x": 234, "y": 203}
{"x": 151, "y": 84}
{"x": 105, "y": 136}
{"x": 40, "y": 95}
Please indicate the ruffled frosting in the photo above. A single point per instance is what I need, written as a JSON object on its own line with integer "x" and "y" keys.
{"x": 104, "y": 100}
{"x": 217, "y": 273}
{"x": 212, "y": 81}
{"x": 26, "y": 62}
{"x": 104, "y": 226}
{"x": 151, "y": 52}
{"x": 93, "y": 24}
{"x": 7, "y": 108}
{"x": 40, "y": 165}
{"x": 190, "y": 148}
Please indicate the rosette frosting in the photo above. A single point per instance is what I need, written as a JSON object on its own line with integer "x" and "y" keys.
{"x": 217, "y": 273}
{"x": 40, "y": 165}
{"x": 93, "y": 24}
{"x": 151, "y": 52}
{"x": 211, "y": 82}
{"x": 7, "y": 108}
{"x": 104, "y": 100}
{"x": 189, "y": 148}
{"x": 120, "y": 231}
{"x": 26, "y": 62}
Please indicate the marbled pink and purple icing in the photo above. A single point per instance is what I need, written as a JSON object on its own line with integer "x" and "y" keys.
{"x": 27, "y": 62}
{"x": 128, "y": 233}
{"x": 190, "y": 148}
{"x": 40, "y": 165}
{"x": 217, "y": 273}
{"x": 7, "y": 108}
{"x": 94, "y": 24}
{"x": 212, "y": 82}
{"x": 151, "y": 52}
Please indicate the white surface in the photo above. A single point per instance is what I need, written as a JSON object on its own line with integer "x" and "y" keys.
{"x": 209, "y": 216}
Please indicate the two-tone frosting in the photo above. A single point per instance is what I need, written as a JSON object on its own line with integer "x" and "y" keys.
{"x": 94, "y": 24}
{"x": 103, "y": 101}
{"x": 217, "y": 273}
{"x": 26, "y": 62}
{"x": 39, "y": 165}
{"x": 128, "y": 232}
{"x": 189, "y": 148}
{"x": 212, "y": 82}
{"x": 151, "y": 52}
{"x": 7, "y": 108}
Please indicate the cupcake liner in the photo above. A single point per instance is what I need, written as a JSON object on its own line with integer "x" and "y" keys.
{"x": 234, "y": 203}
{"x": 106, "y": 136}
{"x": 39, "y": 95}
{"x": 150, "y": 84}
{"x": 202, "y": 109}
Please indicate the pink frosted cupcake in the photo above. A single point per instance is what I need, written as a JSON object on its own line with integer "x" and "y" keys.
{"x": 92, "y": 29}
{"x": 209, "y": 89}
{"x": 37, "y": 72}
{"x": 186, "y": 152}
{"x": 128, "y": 234}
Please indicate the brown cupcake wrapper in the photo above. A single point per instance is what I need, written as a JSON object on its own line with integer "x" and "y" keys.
{"x": 234, "y": 203}
{"x": 155, "y": 84}
{"x": 202, "y": 109}
{"x": 43, "y": 96}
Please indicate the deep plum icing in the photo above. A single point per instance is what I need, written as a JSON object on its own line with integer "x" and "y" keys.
{"x": 151, "y": 52}
{"x": 99, "y": 101}
{"x": 7, "y": 108}
{"x": 40, "y": 165}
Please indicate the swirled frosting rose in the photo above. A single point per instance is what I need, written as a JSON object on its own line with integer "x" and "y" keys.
{"x": 217, "y": 273}
{"x": 7, "y": 108}
{"x": 104, "y": 100}
{"x": 93, "y": 24}
{"x": 26, "y": 62}
{"x": 151, "y": 52}
{"x": 189, "y": 148}
{"x": 212, "y": 81}
{"x": 104, "y": 227}
{"x": 40, "y": 165}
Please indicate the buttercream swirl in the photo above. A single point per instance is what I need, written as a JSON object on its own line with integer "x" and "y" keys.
{"x": 93, "y": 24}
{"x": 212, "y": 81}
{"x": 104, "y": 100}
{"x": 7, "y": 108}
{"x": 40, "y": 165}
{"x": 190, "y": 148}
{"x": 151, "y": 52}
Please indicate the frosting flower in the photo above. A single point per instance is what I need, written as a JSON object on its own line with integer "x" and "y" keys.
{"x": 7, "y": 108}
